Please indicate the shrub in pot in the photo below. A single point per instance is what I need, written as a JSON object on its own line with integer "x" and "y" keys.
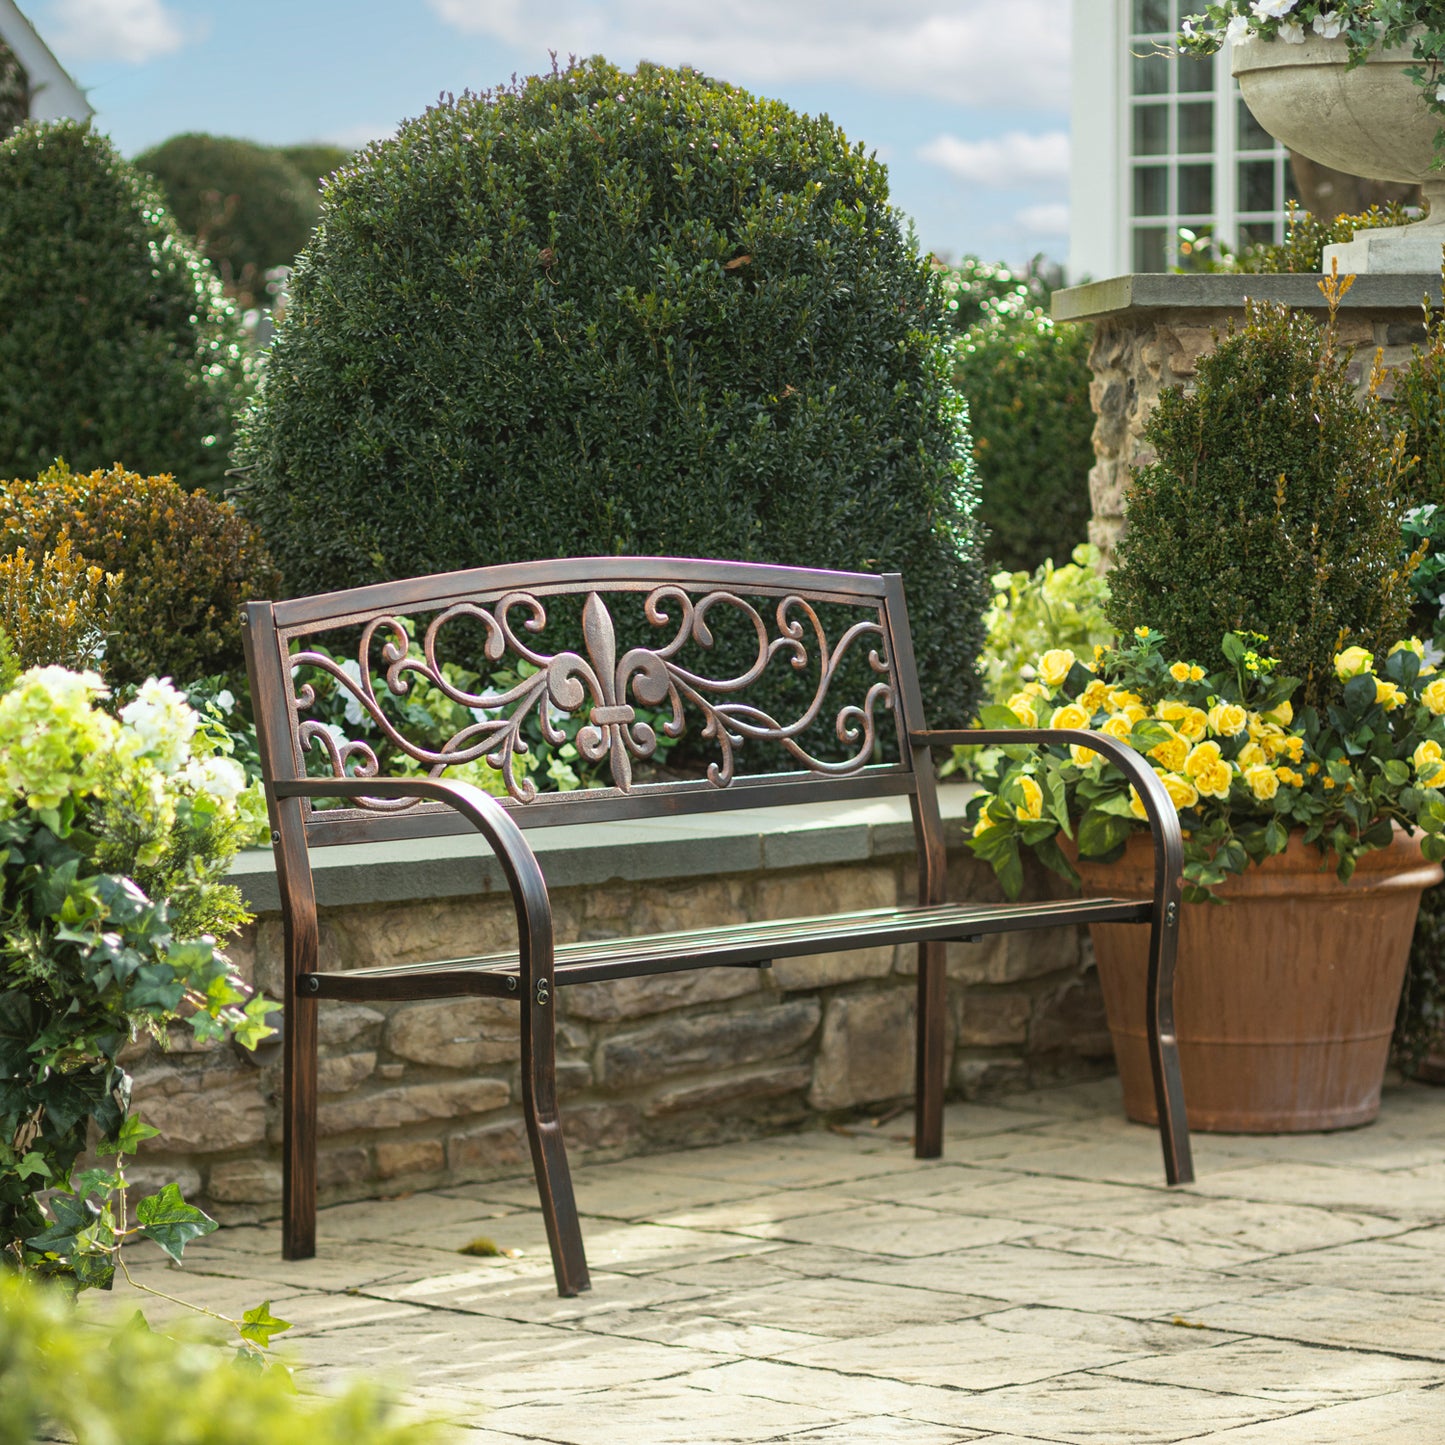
{"x": 1291, "y": 756}
{"x": 599, "y": 312}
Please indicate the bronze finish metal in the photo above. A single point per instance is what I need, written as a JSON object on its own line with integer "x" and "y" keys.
{"x": 680, "y": 600}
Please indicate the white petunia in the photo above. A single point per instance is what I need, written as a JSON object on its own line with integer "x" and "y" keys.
{"x": 163, "y": 723}
{"x": 1238, "y": 31}
{"x": 1328, "y": 23}
{"x": 354, "y": 712}
{"x": 1273, "y": 9}
{"x": 1292, "y": 32}
{"x": 221, "y": 777}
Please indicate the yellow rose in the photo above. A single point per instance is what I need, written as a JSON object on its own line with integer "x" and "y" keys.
{"x": 1262, "y": 781}
{"x": 1171, "y": 755}
{"x": 1082, "y": 757}
{"x": 1141, "y": 632}
{"x": 1134, "y": 712}
{"x": 1070, "y": 716}
{"x": 1022, "y": 707}
{"x": 1214, "y": 781}
{"x": 1190, "y": 721}
{"x": 1117, "y": 727}
{"x": 1181, "y": 792}
{"x": 1283, "y": 715}
{"x": 1119, "y": 699}
{"x": 1201, "y": 757}
{"x": 1035, "y": 689}
{"x": 1095, "y": 696}
{"x": 1389, "y": 695}
{"x": 1427, "y": 760}
{"x": 1294, "y": 779}
{"x": 983, "y": 825}
{"x": 1434, "y": 696}
{"x": 1054, "y": 665}
{"x": 1032, "y": 807}
{"x": 1409, "y": 644}
{"x": 1136, "y": 803}
{"x": 1228, "y": 719}
{"x": 1251, "y": 755}
{"x": 1179, "y": 671}
{"x": 1352, "y": 662}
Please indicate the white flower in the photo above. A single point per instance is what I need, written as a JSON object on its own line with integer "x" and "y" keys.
{"x": 1440, "y": 91}
{"x": 223, "y": 778}
{"x": 225, "y": 699}
{"x": 353, "y": 712}
{"x": 163, "y": 723}
{"x": 1238, "y": 31}
{"x": 1272, "y": 9}
{"x": 1186, "y": 28}
{"x": 1292, "y": 32}
{"x": 1328, "y": 24}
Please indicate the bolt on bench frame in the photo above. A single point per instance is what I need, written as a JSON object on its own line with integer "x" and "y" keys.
{"x": 680, "y": 600}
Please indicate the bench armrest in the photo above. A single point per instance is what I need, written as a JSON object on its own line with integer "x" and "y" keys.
{"x": 519, "y": 864}
{"x": 1158, "y": 806}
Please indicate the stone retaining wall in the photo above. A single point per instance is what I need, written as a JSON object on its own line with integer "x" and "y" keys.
{"x": 415, "y": 1095}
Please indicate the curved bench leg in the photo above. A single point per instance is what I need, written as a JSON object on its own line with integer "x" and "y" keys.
{"x": 1164, "y": 1053}
{"x": 549, "y": 1153}
{"x": 932, "y": 1054}
{"x": 298, "y": 1164}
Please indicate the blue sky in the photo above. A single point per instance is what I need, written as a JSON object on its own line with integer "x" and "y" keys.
{"x": 969, "y": 111}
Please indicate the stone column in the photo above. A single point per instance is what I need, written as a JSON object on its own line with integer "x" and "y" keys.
{"x": 1150, "y": 330}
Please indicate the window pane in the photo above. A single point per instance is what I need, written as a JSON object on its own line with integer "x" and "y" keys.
{"x": 1151, "y": 190}
{"x": 1149, "y": 248}
{"x": 1151, "y": 74}
{"x": 1196, "y": 72}
{"x": 1256, "y": 186}
{"x": 1196, "y": 188}
{"x": 1196, "y": 127}
{"x": 1151, "y": 130}
{"x": 1258, "y": 233}
{"x": 1150, "y": 16}
{"x": 1250, "y": 134}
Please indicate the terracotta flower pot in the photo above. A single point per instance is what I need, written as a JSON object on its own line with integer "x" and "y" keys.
{"x": 1285, "y": 996}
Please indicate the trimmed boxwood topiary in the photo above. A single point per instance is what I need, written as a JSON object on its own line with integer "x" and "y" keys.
{"x": 116, "y": 339}
{"x": 188, "y": 562}
{"x": 598, "y": 312}
{"x": 1274, "y": 507}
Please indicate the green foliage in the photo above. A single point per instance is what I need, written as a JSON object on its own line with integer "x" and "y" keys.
{"x": 608, "y": 313}
{"x": 116, "y": 834}
{"x": 104, "y": 1385}
{"x": 185, "y": 563}
{"x": 977, "y": 291}
{"x": 117, "y": 340}
{"x": 1241, "y": 767}
{"x": 249, "y": 207}
{"x": 316, "y": 161}
{"x": 1302, "y": 250}
{"x": 1027, "y": 387}
{"x": 1274, "y": 506}
{"x": 1420, "y": 1022}
{"x": 1034, "y": 611}
{"x": 1417, "y": 408}
{"x": 59, "y": 612}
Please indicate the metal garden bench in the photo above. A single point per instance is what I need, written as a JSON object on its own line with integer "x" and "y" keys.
{"x": 841, "y": 638}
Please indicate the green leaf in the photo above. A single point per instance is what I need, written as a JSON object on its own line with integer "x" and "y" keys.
{"x": 259, "y": 1324}
{"x": 171, "y": 1222}
{"x": 253, "y": 1026}
{"x": 72, "y": 1217}
{"x": 133, "y": 1132}
{"x": 1359, "y": 694}
{"x": 1101, "y": 833}
{"x": 1276, "y": 836}
{"x": 994, "y": 715}
{"x": 1395, "y": 770}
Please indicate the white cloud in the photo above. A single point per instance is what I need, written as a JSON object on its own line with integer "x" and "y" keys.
{"x": 1012, "y": 159}
{"x": 1049, "y": 219}
{"x": 961, "y": 51}
{"x": 133, "y": 30}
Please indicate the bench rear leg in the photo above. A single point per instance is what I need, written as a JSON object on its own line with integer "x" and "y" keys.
{"x": 549, "y": 1152}
{"x": 932, "y": 1053}
{"x": 298, "y": 1167}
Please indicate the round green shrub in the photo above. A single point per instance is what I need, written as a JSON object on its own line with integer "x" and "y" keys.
{"x": 116, "y": 339}
{"x": 315, "y": 160}
{"x": 248, "y": 206}
{"x": 1274, "y": 506}
{"x": 597, "y": 312}
{"x": 1027, "y": 386}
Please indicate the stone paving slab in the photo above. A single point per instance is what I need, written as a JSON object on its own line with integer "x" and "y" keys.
{"x": 1039, "y": 1285}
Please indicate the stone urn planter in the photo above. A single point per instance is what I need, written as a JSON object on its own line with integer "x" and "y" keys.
{"x": 1370, "y": 121}
{"x": 1285, "y": 996}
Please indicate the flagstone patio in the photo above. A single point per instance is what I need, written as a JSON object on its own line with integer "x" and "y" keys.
{"x": 1040, "y": 1283}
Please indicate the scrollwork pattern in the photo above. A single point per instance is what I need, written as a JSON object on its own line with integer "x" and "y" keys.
{"x": 603, "y": 687}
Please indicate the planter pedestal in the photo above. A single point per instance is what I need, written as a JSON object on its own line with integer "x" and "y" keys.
{"x": 1285, "y": 996}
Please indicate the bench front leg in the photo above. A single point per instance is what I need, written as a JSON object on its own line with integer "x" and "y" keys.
{"x": 538, "y": 999}
{"x": 1163, "y": 920}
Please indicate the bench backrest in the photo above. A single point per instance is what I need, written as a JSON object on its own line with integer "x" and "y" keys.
{"x": 830, "y": 632}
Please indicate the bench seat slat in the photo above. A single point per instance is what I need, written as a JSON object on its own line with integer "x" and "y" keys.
{"x": 495, "y": 974}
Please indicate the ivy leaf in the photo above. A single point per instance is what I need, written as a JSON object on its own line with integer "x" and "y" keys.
{"x": 95, "y": 1181}
{"x": 72, "y": 1217}
{"x": 259, "y": 1324}
{"x": 170, "y": 1221}
{"x": 130, "y": 1137}
{"x": 253, "y": 1026}
{"x": 33, "y": 1166}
